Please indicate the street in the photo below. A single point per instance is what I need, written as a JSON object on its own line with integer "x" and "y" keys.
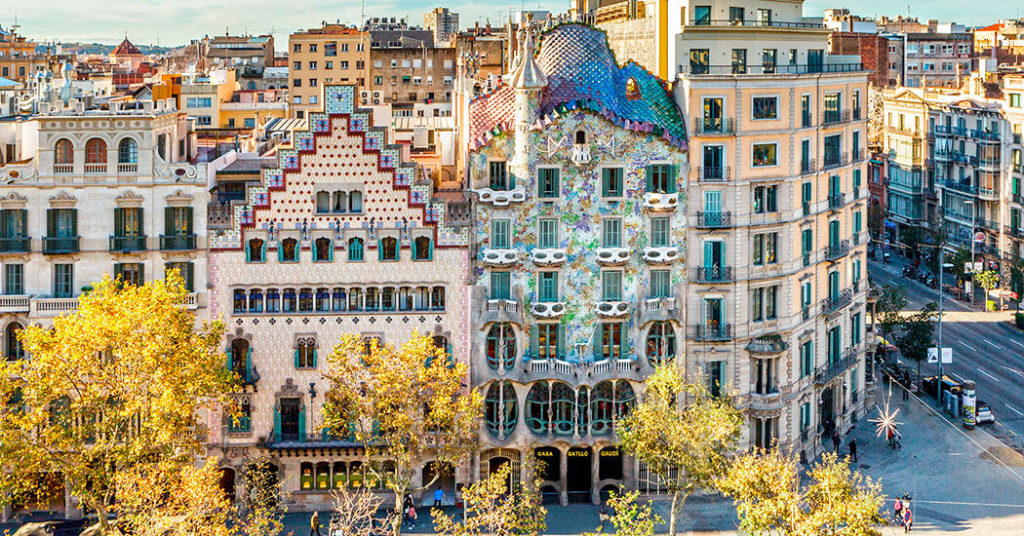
{"x": 987, "y": 349}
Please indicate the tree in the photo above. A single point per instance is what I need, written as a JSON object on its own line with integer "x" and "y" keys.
{"x": 959, "y": 260}
{"x": 114, "y": 387}
{"x": 918, "y": 330}
{"x": 989, "y": 279}
{"x": 172, "y": 499}
{"x": 356, "y": 514}
{"x": 876, "y": 221}
{"x": 629, "y": 517}
{"x": 408, "y": 406}
{"x": 263, "y": 507}
{"x": 687, "y": 446}
{"x": 890, "y": 304}
{"x": 493, "y": 508}
{"x": 1017, "y": 279}
{"x": 766, "y": 488}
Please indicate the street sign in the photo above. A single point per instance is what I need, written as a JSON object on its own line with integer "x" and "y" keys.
{"x": 947, "y": 355}
{"x": 979, "y": 236}
{"x": 968, "y": 269}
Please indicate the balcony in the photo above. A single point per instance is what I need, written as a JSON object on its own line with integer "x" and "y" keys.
{"x": 177, "y": 242}
{"x": 63, "y": 169}
{"x": 832, "y": 304}
{"x": 95, "y": 169}
{"x": 548, "y": 257}
{"x": 18, "y": 244}
{"x": 835, "y": 160}
{"x": 836, "y": 201}
{"x": 501, "y": 198}
{"x": 808, "y": 166}
{"x": 828, "y": 371}
{"x": 60, "y": 245}
{"x": 715, "y": 126}
{"x": 947, "y": 130}
{"x": 856, "y": 114}
{"x": 653, "y": 309}
{"x": 1015, "y": 232}
{"x": 127, "y": 168}
{"x": 772, "y": 344}
{"x": 713, "y": 174}
{"x": 806, "y": 121}
{"x": 548, "y": 309}
{"x": 660, "y": 202}
{"x": 613, "y": 256}
{"x": 985, "y": 135}
{"x": 15, "y": 303}
{"x": 612, "y": 309}
{"x": 714, "y": 220}
{"x": 699, "y": 69}
{"x": 837, "y": 250}
{"x": 961, "y": 186}
{"x": 988, "y": 164}
{"x": 127, "y": 243}
{"x": 712, "y": 332}
{"x": 735, "y": 22}
{"x": 714, "y": 274}
{"x": 768, "y": 400}
{"x": 661, "y": 255}
{"x": 500, "y": 257}
{"x": 835, "y": 117}
{"x": 501, "y": 310}
{"x": 52, "y": 306}
{"x": 857, "y": 155}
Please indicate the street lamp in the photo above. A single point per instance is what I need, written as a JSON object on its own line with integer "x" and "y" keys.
{"x": 973, "y": 228}
{"x": 938, "y": 383}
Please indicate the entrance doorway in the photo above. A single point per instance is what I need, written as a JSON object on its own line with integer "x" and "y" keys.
{"x": 826, "y": 412}
{"x": 289, "y": 419}
{"x": 610, "y": 464}
{"x": 496, "y": 463}
{"x": 578, "y": 475}
{"x": 227, "y": 482}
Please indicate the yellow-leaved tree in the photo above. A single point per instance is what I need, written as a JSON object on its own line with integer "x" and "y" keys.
{"x": 765, "y": 485}
{"x": 682, "y": 433}
{"x": 494, "y": 508}
{"x": 114, "y": 388}
{"x": 408, "y": 405}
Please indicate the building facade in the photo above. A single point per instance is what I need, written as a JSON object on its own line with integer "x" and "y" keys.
{"x": 338, "y": 237}
{"x": 937, "y": 59}
{"x": 407, "y": 75}
{"x": 19, "y": 59}
{"x": 333, "y": 53}
{"x": 443, "y": 23}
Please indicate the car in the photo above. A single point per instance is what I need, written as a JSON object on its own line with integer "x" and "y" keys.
{"x": 983, "y": 413}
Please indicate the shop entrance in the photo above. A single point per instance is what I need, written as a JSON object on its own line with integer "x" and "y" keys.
{"x": 578, "y": 475}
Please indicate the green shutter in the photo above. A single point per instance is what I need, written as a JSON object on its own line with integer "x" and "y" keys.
{"x": 673, "y": 174}
{"x": 142, "y": 274}
{"x": 140, "y": 230}
{"x": 598, "y": 339}
{"x": 51, "y": 222}
{"x": 314, "y": 357}
{"x": 605, "y": 178}
{"x": 627, "y": 346}
{"x": 511, "y": 178}
{"x": 302, "y": 422}
{"x": 412, "y": 246}
{"x": 168, "y": 221}
{"x": 534, "y": 345}
{"x": 187, "y": 227}
{"x": 74, "y": 223}
{"x": 248, "y": 363}
{"x": 430, "y": 250}
{"x": 380, "y": 250}
{"x": 231, "y": 361}
{"x": 190, "y": 277}
{"x": 248, "y": 252}
{"x": 649, "y": 184}
{"x": 118, "y": 221}
{"x": 280, "y": 252}
{"x": 330, "y": 250}
{"x": 277, "y": 423}
{"x": 561, "y": 341}
{"x": 296, "y": 357}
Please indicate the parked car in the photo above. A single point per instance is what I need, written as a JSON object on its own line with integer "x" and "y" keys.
{"x": 983, "y": 413}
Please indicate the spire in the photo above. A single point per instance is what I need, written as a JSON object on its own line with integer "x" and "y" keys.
{"x": 527, "y": 74}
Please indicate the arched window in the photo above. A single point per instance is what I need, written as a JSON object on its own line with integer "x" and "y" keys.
{"x": 355, "y": 299}
{"x": 624, "y": 399}
{"x": 273, "y": 300}
{"x": 339, "y": 201}
{"x": 322, "y": 249}
{"x": 340, "y": 475}
{"x": 127, "y": 152}
{"x": 602, "y": 409}
{"x": 338, "y": 299}
{"x": 240, "y": 357}
{"x": 661, "y": 343}
{"x": 387, "y": 299}
{"x": 355, "y": 202}
{"x": 256, "y": 301}
{"x": 323, "y": 201}
{"x": 563, "y": 406}
{"x": 389, "y": 249}
{"x": 536, "y": 410}
{"x": 501, "y": 347}
{"x": 289, "y": 250}
{"x": 441, "y": 342}
{"x": 305, "y": 353}
{"x": 306, "y": 300}
{"x": 501, "y": 409}
{"x": 323, "y": 476}
{"x": 13, "y": 349}
{"x": 288, "y": 300}
{"x": 323, "y": 300}
{"x": 64, "y": 152}
{"x": 371, "y": 299}
{"x": 582, "y": 415}
{"x": 437, "y": 299}
{"x": 240, "y": 301}
{"x": 161, "y": 146}
{"x": 581, "y": 137}
{"x": 256, "y": 250}
{"x": 422, "y": 249}
{"x": 355, "y": 249}
{"x": 306, "y": 475}
{"x": 96, "y": 151}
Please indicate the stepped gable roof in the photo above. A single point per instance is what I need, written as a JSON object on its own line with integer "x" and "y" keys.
{"x": 126, "y": 48}
{"x": 581, "y": 72}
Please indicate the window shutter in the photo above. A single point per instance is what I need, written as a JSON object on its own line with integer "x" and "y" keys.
{"x": 280, "y": 252}
{"x": 412, "y": 246}
{"x": 51, "y": 222}
{"x": 534, "y": 345}
{"x": 296, "y": 359}
{"x": 511, "y": 178}
{"x": 7, "y": 225}
{"x": 302, "y": 422}
{"x": 248, "y": 252}
{"x": 380, "y": 250}
{"x": 330, "y": 250}
{"x": 231, "y": 361}
{"x": 117, "y": 269}
{"x": 626, "y": 352}
{"x": 142, "y": 274}
{"x": 186, "y": 229}
{"x": 649, "y": 179}
{"x": 561, "y": 341}
{"x": 277, "y": 423}
{"x": 118, "y": 221}
{"x": 248, "y": 363}
{"x": 168, "y": 221}
{"x": 190, "y": 277}
{"x": 314, "y": 357}
{"x": 430, "y": 250}
{"x": 673, "y": 173}
{"x": 74, "y": 223}
{"x": 140, "y": 226}
{"x": 605, "y": 181}
{"x": 597, "y": 344}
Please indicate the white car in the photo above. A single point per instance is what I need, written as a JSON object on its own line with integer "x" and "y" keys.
{"x": 984, "y": 413}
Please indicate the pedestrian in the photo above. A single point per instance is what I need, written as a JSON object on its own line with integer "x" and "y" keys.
{"x": 314, "y": 524}
{"x": 438, "y": 497}
{"x": 836, "y": 441}
{"x": 898, "y": 441}
{"x": 602, "y": 515}
{"x": 412, "y": 516}
{"x": 891, "y": 437}
{"x": 897, "y": 511}
{"x": 908, "y": 520}
{"x": 853, "y": 448}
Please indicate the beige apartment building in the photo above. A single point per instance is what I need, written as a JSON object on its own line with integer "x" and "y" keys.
{"x": 777, "y": 291}
{"x": 331, "y": 53}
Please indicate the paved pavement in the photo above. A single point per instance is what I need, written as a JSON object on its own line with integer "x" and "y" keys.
{"x": 987, "y": 349}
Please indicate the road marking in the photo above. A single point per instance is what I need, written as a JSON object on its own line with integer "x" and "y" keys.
{"x": 1013, "y": 370}
{"x": 1018, "y": 344}
{"x": 959, "y": 377}
{"x": 990, "y": 343}
{"x": 967, "y": 345}
{"x": 1013, "y": 409}
{"x": 989, "y": 375}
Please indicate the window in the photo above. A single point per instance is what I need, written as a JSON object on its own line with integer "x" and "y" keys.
{"x": 736, "y": 15}
{"x": 661, "y": 179}
{"x": 288, "y": 250}
{"x": 805, "y": 197}
{"x": 355, "y": 249}
{"x": 312, "y": 47}
{"x": 805, "y": 111}
{"x": 204, "y": 120}
{"x": 14, "y": 278}
{"x": 765, "y": 108}
{"x": 547, "y": 287}
{"x": 547, "y": 183}
{"x": 699, "y": 61}
{"x": 714, "y": 372}
{"x": 832, "y": 108}
{"x": 422, "y": 248}
{"x": 501, "y": 285}
{"x": 95, "y": 152}
{"x": 611, "y": 182}
{"x": 806, "y": 358}
{"x": 64, "y": 152}
{"x": 1015, "y": 100}
{"x": 323, "y": 249}
{"x": 855, "y": 328}
{"x": 199, "y": 102}
{"x": 62, "y": 223}
{"x": 186, "y": 270}
{"x": 500, "y": 234}
{"x": 305, "y": 353}
{"x": 739, "y": 61}
{"x": 611, "y": 233}
{"x": 769, "y": 57}
{"x": 13, "y": 230}
{"x": 765, "y": 247}
{"x": 833, "y": 150}
{"x": 127, "y": 151}
{"x": 661, "y": 284}
{"x": 660, "y": 231}
{"x": 501, "y": 347}
{"x": 765, "y": 154}
{"x": 764, "y": 303}
{"x": 548, "y": 346}
{"x": 63, "y": 280}
{"x": 388, "y": 249}
{"x": 611, "y": 341}
{"x": 499, "y": 176}
{"x": 129, "y": 273}
{"x": 547, "y": 233}
{"x": 702, "y": 15}
{"x": 611, "y": 286}
{"x": 766, "y": 199}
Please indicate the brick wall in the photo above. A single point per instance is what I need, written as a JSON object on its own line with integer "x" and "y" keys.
{"x": 872, "y": 49}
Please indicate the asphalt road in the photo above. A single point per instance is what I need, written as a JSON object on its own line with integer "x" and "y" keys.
{"x": 987, "y": 349}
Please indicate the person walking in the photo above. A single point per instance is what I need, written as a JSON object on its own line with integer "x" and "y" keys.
{"x": 836, "y": 440}
{"x": 853, "y": 448}
{"x": 602, "y": 515}
{"x": 314, "y": 524}
{"x": 897, "y": 511}
{"x": 438, "y": 497}
{"x": 412, "y": 516}
{"x": 908, "y": 520}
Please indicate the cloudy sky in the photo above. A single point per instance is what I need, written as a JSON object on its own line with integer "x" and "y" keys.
{"x": 175, "y": 22}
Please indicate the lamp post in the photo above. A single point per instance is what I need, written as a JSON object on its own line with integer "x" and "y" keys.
{"x": 942, "y": 268}
{"x": 973, "y": 278}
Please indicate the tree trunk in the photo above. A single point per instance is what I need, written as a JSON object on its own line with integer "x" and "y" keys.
{"x": 673, "y": 513}
{"x": 396, "y": 524}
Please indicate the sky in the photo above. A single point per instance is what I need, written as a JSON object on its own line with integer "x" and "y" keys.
{"x": 175, "y": 22}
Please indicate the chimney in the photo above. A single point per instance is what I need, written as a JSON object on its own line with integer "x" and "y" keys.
{"x": 171, "y": 105}
{"x": 160, "y": 106}
{"x": 147, "y": 106}
{"x": 44, "y": 107}
{"x": 79, "y": 107}
{"x": 115, "y": 106}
